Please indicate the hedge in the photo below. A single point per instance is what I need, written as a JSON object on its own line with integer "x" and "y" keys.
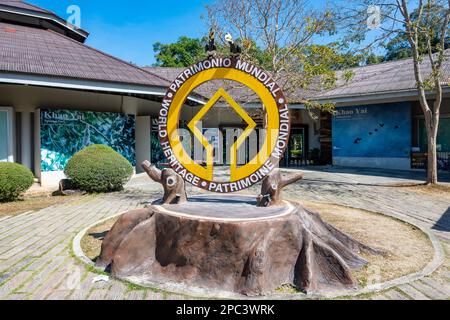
{"x": 14, "y": 180}
{"x": 98, "y": 168}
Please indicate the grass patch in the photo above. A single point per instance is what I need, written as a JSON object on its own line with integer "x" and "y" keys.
{"x": 441, "y": 191}
{"x": 33, "y": 203}
{"x": 92, "y": 241}
{"x": 407, "y": 248}
{"x": 287, "y": 289}
{"x": 134, "y": 287}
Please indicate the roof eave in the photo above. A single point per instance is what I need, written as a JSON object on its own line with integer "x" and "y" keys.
{"x": 85, "y": 84}
{"x": 374, "y": 96}
{"x": 51, "y": 17}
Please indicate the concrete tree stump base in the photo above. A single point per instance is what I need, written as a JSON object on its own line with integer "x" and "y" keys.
{"x": 227, "y": 243}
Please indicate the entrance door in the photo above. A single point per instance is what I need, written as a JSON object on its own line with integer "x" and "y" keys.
{"x": 296, "y": 152}
{"x": 4, "y": 136}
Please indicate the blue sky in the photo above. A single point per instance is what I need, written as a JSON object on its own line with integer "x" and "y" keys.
{"x": 128, "y": 29}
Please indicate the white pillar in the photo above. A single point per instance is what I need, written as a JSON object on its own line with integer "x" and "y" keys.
{"x": 143, "y": 141}
{"x": 25, "y": 139}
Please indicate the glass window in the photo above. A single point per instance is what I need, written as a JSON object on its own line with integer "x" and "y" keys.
{"x": 443, "y": 138}
{"x": 4, "y": 136}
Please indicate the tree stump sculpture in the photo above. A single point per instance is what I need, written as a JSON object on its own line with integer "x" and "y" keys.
{"x": 272, "y": 185}
{"x": 173, "y": 184}
{"x": 227, "y": 243}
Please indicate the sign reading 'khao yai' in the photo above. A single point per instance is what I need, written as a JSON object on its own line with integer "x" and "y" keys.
{"x": 277, "y": 124}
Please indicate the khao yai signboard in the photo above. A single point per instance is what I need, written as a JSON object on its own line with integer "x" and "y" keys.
{"x": 65, "y": 132}
{"x": 276, "y": 124}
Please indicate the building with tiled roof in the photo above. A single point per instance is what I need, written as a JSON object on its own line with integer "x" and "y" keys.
{"x": 58, "y": 94}
{"x": 383, "y": 79}
{"x": 382, "y": 89}
{"x": 45, "y": 65}
{"x": 19, "y": 4}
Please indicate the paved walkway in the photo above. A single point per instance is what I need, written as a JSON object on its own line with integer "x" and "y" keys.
{"x": 36, "y": 260}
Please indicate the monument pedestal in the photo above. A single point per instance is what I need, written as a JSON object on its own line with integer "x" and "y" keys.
{"x": 227, "y": 243}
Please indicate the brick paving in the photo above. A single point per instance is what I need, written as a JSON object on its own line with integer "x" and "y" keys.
{"x": 35, "y": 247}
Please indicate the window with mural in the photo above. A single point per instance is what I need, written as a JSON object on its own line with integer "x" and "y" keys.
{"x": 65, "y": 132}
{"x": 381, "y": 131}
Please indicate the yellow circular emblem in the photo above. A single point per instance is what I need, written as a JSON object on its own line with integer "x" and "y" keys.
{"x": 277, "y": 124}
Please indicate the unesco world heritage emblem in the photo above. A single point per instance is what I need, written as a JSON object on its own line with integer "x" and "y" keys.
{"x": 277, "y": 125}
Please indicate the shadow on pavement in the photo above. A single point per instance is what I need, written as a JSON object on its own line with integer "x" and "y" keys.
{"x": 343, "y": 183}
{"x": 388, "y": 173}
{"x": 443, "y": 224}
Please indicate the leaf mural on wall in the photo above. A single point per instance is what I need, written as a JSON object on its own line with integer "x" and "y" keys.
{"x": 65, "y": 132}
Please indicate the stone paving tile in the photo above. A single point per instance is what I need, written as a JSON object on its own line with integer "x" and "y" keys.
{"x": 447, "y": 275}
{"x": 38, "y": 263}
{"x": 116, "y": 291}
{"x": 393, "y": 294}
{"x": 8, "y": 271}
{"x": 42, "y": 275}
{"x": 135, "y": 295}
{"x": 97, "y": 294}
{"x": 58, "y": 295}
{"x": 154, "y": 295}
{"x": 413, "y": 292}
{"x": 14, "y": 282}
{"x": 38, "y": 242}
{"x": 378, "y": 297}
{"x": 428, "y": 291}
{"x": 18, "y": 296}
{"x": 50, "y": 284}
{"x": 15, "y": 265}
{"x": 443, "y": 288}
{"x": 11, "y": 253}
{"x": 4, "y": 218}
{"x": 3, "y": 249}
{"x": 83, "y": 289}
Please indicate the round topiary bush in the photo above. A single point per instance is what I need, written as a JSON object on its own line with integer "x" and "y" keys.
{"x": 14, "y": 180}
{"x": 98, "y": 168}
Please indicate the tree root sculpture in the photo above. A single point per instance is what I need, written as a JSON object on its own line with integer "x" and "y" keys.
{"x": 272, "y": 185}
{"x": 253, "y": 257}
{"x": 173, "y": 184}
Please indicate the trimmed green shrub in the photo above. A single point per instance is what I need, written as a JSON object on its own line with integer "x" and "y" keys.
{"x": 98, "y": 168}
{"x": 14, "y": 180}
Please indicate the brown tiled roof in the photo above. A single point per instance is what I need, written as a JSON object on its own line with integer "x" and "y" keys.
{"x": 23, "y": 5}
{"x": 392, "y": 76}
{"x": 45, "y": 52}
{"x": 208, "y": 89}
{"x": 387, "y": 77}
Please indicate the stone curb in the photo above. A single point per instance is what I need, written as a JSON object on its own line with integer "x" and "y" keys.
{"x": 76, "y": 242}
{"x": 176, "y": 288}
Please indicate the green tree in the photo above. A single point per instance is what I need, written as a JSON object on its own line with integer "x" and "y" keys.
{"x": 424, "y": 24}
{"x": 399, "y": 48}
{"x": 182, "y": 53}
{"x": 279, "y": 35}
{"x": 374, "y": 59}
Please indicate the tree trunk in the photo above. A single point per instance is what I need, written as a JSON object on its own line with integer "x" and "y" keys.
{"x": 193, "y": 246}
{"x": 432, "y": 176}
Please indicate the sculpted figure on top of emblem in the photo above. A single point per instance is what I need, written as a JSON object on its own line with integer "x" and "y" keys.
{"x": 235, "y": 50}
{"x": 210, "y": 47}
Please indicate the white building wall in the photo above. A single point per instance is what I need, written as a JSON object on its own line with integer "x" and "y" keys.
{"x": 27, "y": 100}
{"x": 143, "y": 143}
